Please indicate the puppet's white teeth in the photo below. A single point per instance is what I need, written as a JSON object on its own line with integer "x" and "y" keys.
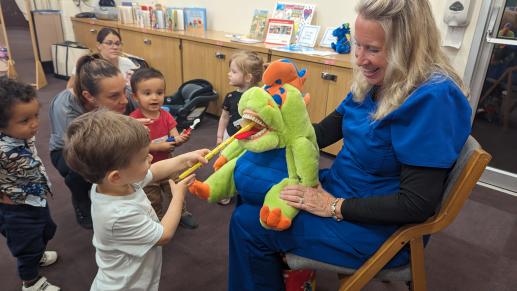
{"x": 259, "y": 134}
{"x": 254, "y": 119}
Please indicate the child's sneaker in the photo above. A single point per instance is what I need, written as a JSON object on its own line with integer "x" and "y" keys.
{"x": 225, "y": 201}
{"x": 41, "y": 285}
{"x": 188, "y": 221}
{"x": 48, "y": 258}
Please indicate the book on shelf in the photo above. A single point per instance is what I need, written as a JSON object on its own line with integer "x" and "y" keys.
{"x": 174, "y": 19}
{"x": 300, "y": 13}
{"x": 144, "y": 17}
{"x": 195, "y": 19}
{"x": 279, "y": 31}
{"x": 159, "y": 16}
{"x": 258, "y": 25}
{"x": 125, "y": 14}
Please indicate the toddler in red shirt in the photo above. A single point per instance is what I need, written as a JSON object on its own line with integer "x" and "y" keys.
{"x": 148, "y": 87}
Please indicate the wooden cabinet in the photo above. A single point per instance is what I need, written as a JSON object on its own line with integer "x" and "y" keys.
{"x": 337, "y": 91}
{"x": 327, "y": 86}
{"x": 86, "y": 34}
{"x": 209, "y": 62}
{"x": 161, "y": 52}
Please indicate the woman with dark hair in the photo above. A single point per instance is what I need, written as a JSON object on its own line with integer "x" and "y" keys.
{"x": 98, "y": 84}
{"x": 109, "y": 45}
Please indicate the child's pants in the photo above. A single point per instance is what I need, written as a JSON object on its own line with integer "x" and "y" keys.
{"x": 154, "y": 192}
{"x": 27, "y": 229}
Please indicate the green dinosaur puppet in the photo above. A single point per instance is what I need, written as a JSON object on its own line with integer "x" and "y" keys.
{"x": 280, "y": 150}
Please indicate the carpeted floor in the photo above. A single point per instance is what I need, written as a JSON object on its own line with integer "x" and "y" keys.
{"x": 477, "y": 252}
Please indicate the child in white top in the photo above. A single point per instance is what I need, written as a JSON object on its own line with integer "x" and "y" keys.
{"x": 112, "y": 151}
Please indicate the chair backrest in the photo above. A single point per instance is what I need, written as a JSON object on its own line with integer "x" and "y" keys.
{"x": 471, "y": 163}
{"x": 467, "y": 170}
{"x": 194, "y": 88}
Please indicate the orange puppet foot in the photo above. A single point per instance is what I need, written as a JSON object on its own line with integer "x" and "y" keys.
{"x": 221, "y": 160}
{"x": 200, "y": 189}
{"x": 274, "y": 219}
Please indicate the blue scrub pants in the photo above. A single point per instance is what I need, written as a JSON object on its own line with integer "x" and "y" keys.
{"x": 255, "y": 261}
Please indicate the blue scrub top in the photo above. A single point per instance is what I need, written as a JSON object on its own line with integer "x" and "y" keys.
{"x": 429, "y": 129}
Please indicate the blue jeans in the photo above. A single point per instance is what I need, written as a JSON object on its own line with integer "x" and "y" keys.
{"x": 27, "y": 229}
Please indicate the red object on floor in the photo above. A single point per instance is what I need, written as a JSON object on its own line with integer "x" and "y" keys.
{"x": 300, "y": 280}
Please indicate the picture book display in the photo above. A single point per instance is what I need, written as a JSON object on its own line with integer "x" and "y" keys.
{"x": 195, "y": 19}
{"x": 258, "y": 25}
{"x": 308, "y": 35}
{"x": 328, "y": 38}
{"x": 300, "y": 13}
{"x": 174, "y": 19}
{"x": 279, "y": 31}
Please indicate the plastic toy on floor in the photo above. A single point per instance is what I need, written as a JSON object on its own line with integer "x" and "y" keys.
{"x": 279, "y": 150}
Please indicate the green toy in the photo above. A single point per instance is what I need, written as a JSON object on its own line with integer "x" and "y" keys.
{"x": 282, "y": 135}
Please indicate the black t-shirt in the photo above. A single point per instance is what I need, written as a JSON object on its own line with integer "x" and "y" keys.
{"x": 230, "y": 104}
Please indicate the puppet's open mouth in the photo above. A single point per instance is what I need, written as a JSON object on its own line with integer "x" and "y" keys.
{"x": 259, "y": 129}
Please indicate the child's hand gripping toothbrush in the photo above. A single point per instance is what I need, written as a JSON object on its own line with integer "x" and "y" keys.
{"x": 215, "y": 151}
{"x": 186, "y": 132}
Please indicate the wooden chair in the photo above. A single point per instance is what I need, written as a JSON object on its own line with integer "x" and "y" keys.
{"x": 462, "y": 179}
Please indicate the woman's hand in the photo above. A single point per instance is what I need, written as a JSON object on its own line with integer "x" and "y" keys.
{"x": 314, "y": 200}
{"x": 129, "y": 74}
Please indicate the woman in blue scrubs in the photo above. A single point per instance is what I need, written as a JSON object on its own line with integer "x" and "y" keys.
{"x": 403, "y": 123}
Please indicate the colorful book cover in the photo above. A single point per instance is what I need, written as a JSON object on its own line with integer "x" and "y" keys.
{"x": 279, "y": 31}
{"x": 195, "y": 19}
{"x": 258, "y": 25}
{"x": 300, "y": 13}
{"x": 174, "y": 19}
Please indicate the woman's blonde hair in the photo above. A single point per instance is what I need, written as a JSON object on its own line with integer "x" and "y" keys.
{"x": 412, "y": 44}
{"x": 249, "y": 63}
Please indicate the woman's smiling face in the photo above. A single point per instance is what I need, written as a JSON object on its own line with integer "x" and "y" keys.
{"x": 370, "y": 53}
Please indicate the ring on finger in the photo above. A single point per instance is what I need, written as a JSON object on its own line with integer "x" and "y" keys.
{"x": 301, "y": 200}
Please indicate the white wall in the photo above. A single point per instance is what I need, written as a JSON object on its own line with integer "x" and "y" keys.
{"x": 235, "y": 17}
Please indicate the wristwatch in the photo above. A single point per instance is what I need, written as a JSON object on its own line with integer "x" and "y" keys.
{"x": 333, "y": 209}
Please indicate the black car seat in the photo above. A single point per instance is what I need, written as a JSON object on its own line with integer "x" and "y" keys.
{"x": 190, "y": 101}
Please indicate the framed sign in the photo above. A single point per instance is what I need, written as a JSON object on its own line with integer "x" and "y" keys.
{"x": 308, "y": 35}
{"x": 328, "y": 38}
